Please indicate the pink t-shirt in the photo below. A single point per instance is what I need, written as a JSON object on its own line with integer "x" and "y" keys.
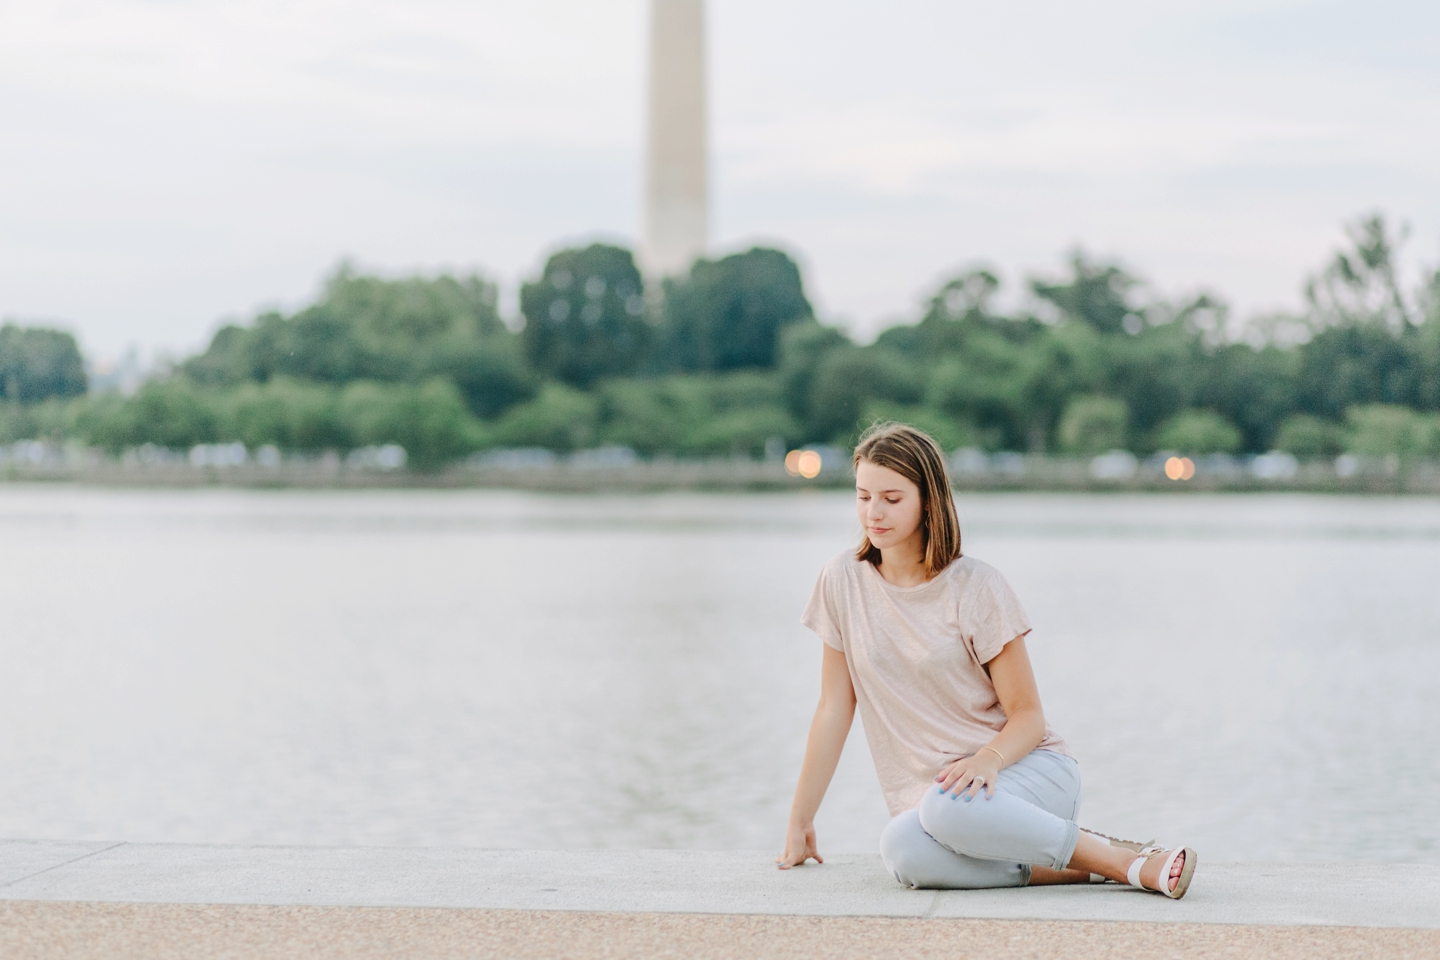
{"x": 916, "y": 657}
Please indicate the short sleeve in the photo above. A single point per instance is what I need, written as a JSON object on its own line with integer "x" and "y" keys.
{"x": 995, "y": 616}
{"x": 819, "y": 615}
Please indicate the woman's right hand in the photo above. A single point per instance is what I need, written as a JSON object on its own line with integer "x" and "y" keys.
{"x": 799, "y": 847}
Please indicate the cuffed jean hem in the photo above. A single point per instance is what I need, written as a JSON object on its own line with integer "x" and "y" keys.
{"x": 1072, "y": 837}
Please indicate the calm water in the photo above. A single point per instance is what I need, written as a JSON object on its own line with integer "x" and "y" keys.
{"x": 1259, "y": 676}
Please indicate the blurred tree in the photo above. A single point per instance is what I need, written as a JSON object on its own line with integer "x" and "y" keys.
{"x": 559, "y": 419}
{"x": 170, "y": 413}
{"x": 429, "y": 420}
{"x": 846, "y": 380}
{"x": 1157, "y": 372}
{"x": 1359, "y": 285}
{"x": 961, "y": 307}
{"x": 746, "y": 408}
{"x": 736, "y": 358}
{"x": 728, "y": 314}
{"x": 37, "y": 363}
{"x": 434, "y": 425}
{"x": 1378, "y": 429}
{"x": 370, "y": 412}
{"x": 1069, "y": 360}
{"x": 1252, "y": 388}
{"x": 1307, "y": 436}
{"x": 949, "y": 433}
{"x": 650, "y": 416}
{"x": 741, "y": 432}
{"x": 14, "y": 424}
{"x": 52, "y": 420}
{"x": 1097, "y": 294}
{"x": 990, "y": 386}
{"x": 584, "y": 317}
{"x": 106, "y": 421}
{"x": 290, "y": 414}
{"x": 695, "y": 414}
{"x": 1425, "y": 344}
{"x": 1427, "y": 435}
{"x": 395, "y": 315}
{"x": 368, "y": 328}
{"x": 1198, "y": 431}
{"x": 803, "y": 347}
{"x": 315, "y": 344}
{"x": 491, "y": 372}
{"x": 1344, "y": 366}
{"x": 1367, "y": 348}
{"x": 1093, "y": 424}
{"x": 744, "y": 390}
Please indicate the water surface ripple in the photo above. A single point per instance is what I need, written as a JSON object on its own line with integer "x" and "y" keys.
{"x": 1256, "y": 675}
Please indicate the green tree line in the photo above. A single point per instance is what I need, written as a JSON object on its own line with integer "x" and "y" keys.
{"x": 721, "y": 360}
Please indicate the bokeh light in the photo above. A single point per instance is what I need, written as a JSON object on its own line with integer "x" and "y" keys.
{"x": 803, "y": 463}
{"x": 1179, "y": 468}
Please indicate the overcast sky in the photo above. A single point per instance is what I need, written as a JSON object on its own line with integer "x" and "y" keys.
{"x": 168, "y": 165}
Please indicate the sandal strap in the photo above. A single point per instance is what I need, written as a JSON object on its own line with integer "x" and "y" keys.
{"x": 1134, "y": 845}
{"x": 1133, "y": 874}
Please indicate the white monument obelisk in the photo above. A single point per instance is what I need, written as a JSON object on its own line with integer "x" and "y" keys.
{"x": 676, "y": 199}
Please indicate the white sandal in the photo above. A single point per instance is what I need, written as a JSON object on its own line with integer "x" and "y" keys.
{"x": 1181, "y": 884}
{"x": 1132, "y": 845}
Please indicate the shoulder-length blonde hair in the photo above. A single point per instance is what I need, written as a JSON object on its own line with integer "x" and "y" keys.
{"x": 915, "y": 456}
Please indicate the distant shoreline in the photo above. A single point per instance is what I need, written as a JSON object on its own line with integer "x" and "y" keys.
{"x": 1029, "y": 473}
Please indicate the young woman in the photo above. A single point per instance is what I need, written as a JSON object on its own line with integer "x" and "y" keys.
{"x": 930, "y": 645}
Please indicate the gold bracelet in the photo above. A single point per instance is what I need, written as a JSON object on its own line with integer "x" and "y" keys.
{"x": 996, "y": 752}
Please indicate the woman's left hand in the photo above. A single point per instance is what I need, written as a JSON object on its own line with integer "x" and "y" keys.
{"x": 978, "y": 772}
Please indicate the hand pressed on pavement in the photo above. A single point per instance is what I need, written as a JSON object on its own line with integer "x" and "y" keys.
{"x": 799, "y": 847}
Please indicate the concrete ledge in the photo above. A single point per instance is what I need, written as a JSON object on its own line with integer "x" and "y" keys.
{"x": 664, "y": 882}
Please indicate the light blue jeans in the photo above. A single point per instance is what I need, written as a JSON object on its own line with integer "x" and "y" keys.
{"x": 961, "y": 844}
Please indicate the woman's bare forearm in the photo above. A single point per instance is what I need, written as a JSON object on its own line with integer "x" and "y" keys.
{"x": 1022, "y": 733}
{"x": 822, "y": 754}
{"x": 828, "y": 731}
{"x": 1014, "y": 681}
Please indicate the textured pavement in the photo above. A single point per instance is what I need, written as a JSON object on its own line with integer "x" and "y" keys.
{"x": 158, "y": 901}
{"x": 124, "y": 931}
{"x": 673, "y": 881}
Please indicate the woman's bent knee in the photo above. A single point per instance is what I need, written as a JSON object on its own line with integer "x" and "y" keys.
{"x": 948, "y": 816}
{"x": 1001, "y": 827}
{"x": 916, "y": 859}
{"x": 970, "y": 826}
{"x": 902, "y": 848}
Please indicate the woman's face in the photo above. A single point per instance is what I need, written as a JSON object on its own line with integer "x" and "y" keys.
{"x": 888, "y": 505}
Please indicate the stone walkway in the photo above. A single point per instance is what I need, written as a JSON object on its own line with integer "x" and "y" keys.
{"x": 162, "y": 900}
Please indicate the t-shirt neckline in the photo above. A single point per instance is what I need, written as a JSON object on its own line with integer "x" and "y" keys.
{"x": 916, "y": 588}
